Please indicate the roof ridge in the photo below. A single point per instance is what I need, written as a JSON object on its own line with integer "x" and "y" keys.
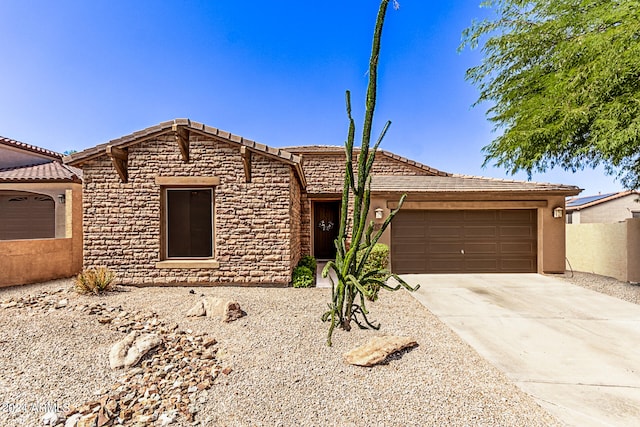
{"x": 389, "y": 154}
{"x": 28, "y": 147}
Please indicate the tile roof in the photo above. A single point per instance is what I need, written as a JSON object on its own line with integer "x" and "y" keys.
{"x": 46, "y": 172}
{"x": 462, "y": 183}
{"x": 27, "y": 147}
{"x": 76, "y": 159}
{"x": 335, "y": 149}
{"x": 578, "y": 203}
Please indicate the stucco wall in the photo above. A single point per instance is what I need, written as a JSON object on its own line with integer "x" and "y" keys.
{"x": 612, "y": 211}
{"x": 36, "y": 260}
{"x": 609, "y": 249}
{"x": 252, "y": 224}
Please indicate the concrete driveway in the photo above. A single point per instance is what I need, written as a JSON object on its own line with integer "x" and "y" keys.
{"x": 576, "y": 351}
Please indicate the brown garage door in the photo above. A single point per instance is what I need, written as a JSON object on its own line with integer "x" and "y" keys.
{"x": 465, "y": 241}
{"x": 26, "y": 216}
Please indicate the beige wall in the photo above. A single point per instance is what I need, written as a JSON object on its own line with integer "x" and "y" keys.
{"x": 611, "y": 249}
{"x": 611, "y": 211}
{"x": 38, "y": 260}
{"x": 30, "y": 261}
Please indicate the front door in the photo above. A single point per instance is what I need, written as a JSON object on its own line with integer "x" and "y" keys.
{"x": 326, "y": 225}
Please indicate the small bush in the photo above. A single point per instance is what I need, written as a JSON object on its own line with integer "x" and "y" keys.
{"x": 95, "y": 281}
{"x": 378, "y": 260}
{"x": 303, "y": 277}
{"x": 309, "y": 262}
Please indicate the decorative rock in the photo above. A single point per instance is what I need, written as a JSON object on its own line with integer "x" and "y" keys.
{"x": 226, "y": 310}
{"x": 167, "y": 418}
{"x": 72, "y": 421}
{"x": 87, "y": 421}
{"x": 377, "y": 350}
{"x": 50, "y": 419}
{"x": 131, "y": 349}
{"x": 197, "y": 310}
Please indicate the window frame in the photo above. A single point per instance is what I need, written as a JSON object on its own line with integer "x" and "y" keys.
{"x": 185, "y": 183}
{"x": 166, "y": 223}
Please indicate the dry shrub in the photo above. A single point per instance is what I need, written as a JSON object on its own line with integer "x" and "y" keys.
{"x": 95, "y": 281}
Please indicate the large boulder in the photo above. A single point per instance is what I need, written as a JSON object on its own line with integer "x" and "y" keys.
{"x": 225, "y": 310}
{"x": 131, "y": 349}
{"x": 377, "y": 350}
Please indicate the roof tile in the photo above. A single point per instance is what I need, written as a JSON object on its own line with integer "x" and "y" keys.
{"x": 52, "y": 171}
{"x": 28, "y": 147}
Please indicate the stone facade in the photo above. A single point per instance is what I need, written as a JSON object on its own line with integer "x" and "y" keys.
{"x": 254, "y": 223}
{"x": 325, "y": 178}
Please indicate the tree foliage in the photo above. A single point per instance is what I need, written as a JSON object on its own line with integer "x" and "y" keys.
{"x": 355, "y": 282}
{"x": 563, "y": 81}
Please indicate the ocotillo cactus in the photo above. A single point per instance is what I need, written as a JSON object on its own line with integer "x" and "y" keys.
{"x": 352, "y": 281}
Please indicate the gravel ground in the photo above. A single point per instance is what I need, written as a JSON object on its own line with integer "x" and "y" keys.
{"x": 606, "y": 285}
{"x": 282, "y": 371}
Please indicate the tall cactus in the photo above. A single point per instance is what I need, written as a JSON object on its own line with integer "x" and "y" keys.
{"x": 352, "y": 280}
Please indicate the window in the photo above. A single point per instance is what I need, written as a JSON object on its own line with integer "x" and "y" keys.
{"x": 189, "y": 222}
{"x": 569, "y": 217}
{"x": 635, "y": 214}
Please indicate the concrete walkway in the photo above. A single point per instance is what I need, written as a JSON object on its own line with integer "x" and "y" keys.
{"x": 576, "y": 351}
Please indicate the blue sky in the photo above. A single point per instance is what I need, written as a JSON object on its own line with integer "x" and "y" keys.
{"x": 79, "y": 73}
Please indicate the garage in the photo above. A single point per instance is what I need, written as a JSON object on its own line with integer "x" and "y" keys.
{"x": 464, "y": 241}
{"x": 26, "y": 216}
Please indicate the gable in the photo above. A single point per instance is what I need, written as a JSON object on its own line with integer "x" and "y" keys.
{"x": 181, "y": 132}
{"x": 17, "y": 154}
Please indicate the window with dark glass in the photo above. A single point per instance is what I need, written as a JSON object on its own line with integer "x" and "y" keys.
{"x": 189, "y": 217}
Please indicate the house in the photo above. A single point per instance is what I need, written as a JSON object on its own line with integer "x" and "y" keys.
{"x": 182, "y": 202}
{"x": 610, "y": 207}
{"x": 40, "y": 214}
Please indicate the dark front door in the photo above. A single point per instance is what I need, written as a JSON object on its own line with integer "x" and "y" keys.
{"x": 326, "y": 223}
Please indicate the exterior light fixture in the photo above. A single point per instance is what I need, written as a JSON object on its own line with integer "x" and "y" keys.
{"x": 379, "y": 212}
{"x": 558, "y": 212}
{"x": 61, "y": 198}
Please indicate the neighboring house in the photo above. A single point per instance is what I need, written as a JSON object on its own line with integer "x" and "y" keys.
{"x": 182, "y": 202}
{"x": 40, "y": 201}
{"x": 610, "y": 207}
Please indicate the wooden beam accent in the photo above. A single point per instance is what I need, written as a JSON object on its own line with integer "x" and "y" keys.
{"x": 246, "y": 162}
{"x": 120, "y": 159}
{"x": 182, "y": 138}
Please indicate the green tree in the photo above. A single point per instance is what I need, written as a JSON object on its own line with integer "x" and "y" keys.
{"x": 356, "y": 280}
{"x": 562, "y": 78}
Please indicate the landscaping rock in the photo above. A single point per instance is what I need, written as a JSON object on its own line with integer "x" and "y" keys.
{"x": 131, "y": 349}
{"x": 377, "y": 350}
{"x": 226, "y": 310}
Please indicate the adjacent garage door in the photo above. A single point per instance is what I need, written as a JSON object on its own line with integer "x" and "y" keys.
{"x": 27, "y": 216}
{"x": 464, "y": 241}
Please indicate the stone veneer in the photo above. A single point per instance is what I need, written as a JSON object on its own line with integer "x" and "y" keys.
{"x": 325, "y": 179}
{"x": 255, "y": 224}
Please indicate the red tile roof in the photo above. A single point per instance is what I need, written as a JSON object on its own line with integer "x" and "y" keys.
{"x": 27, "y": 147}
{"x": 46, "y": 172}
